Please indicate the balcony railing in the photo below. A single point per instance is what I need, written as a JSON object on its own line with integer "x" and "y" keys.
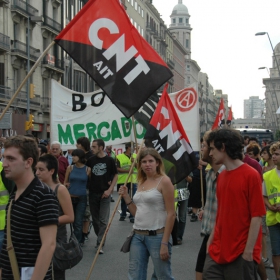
{"x": 5, "y": 42}
{"x": 21, "y": 100}
{"x": 52, "y": 23}
{"x": 24, "y": 7}
{"x": 53, "y": 61}
{"x": 21, "y": 48}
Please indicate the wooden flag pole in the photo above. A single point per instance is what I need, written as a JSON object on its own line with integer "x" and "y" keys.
{"x": 201, "y": 184}
{"x": 114, "y": 212}
{"x": 134, "y": 130}
{"x": 26, "y": 78}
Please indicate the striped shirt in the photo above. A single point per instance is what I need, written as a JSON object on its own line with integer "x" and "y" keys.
{"x": 36, "y": 207}
{"x": 210, "y": 209}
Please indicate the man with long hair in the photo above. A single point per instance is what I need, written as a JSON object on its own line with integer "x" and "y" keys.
{"x": 234, "y": 245}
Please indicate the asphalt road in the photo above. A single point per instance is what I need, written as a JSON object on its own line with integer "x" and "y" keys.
{"x": 113, "y": 264}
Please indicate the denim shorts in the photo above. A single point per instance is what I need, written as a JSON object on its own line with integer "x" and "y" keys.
{"x": 141, "y": 248}
{"x": 274, "y": 232}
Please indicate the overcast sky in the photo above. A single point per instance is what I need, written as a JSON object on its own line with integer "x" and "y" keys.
{"x": 225, "y": 46}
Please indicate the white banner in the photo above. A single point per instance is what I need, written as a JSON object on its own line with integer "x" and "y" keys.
{"x": 93, "y": 115}
{"x": 75, "y": 114}
{"x": 186, "y": 104}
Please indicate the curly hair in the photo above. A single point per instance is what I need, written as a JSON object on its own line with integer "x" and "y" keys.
{"x": 274, "y": 147}
{"x": 253, "y": 147}
{"x": 230, "y": 138}
{"x": 141, "y": 176}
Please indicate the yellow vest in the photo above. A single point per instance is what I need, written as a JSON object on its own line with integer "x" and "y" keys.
{"x": 4, "y": 199}
{"x": 272, "y": 182}
{"x": 125, "y": 163}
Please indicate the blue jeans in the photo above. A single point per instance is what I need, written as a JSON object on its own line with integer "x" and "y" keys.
{"x": 100, "y": 211}
{"x": 182, "y": 217}
{"x": 141, "y": 248}
{"x": 123, "y": 204}
{"x": 79, "y": 206}
{"x": 274, "y": 232}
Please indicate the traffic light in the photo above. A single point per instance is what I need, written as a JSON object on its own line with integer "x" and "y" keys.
{"x": 27, "y": 127}
{"x": 29, "y": 123}
{"x": 31, "y": 120}
{"x": 31, "y": 91}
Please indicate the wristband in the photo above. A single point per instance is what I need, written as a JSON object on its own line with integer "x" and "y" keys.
{"x": 129, "y": 203}
{"x": 164, "y": 243}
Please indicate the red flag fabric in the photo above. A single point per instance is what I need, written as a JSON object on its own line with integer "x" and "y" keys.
{"x": 166, "y": 134}
{"x": 229, "y": 119}
{"x": 220, "y": 118}
{"x": 102, "y": 40}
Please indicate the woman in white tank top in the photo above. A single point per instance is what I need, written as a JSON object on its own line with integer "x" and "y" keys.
{"x": 154, "y": 211}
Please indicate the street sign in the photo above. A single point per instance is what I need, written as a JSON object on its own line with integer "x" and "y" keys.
{"x": 6, "y": 122}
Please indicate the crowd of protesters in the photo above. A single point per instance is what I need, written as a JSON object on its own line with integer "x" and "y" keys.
{"x": 234, "y": 192}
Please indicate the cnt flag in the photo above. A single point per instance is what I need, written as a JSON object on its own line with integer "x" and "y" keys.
{"x": 220, "y": 118}
{"x": 102, "y": 40}
{"x": 166, "y": 134}
{"x": 229, "y": 119}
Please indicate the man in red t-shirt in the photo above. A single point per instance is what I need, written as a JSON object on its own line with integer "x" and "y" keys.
{"x": 234, "y": 246}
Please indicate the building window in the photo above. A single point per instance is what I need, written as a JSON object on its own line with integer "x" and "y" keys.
{"x": 79, "y": 81}
{"x": 142, "y": 32}
{"x": 139, "y": 9}
{"x": 131, "y": 20}
{"x": 187, "y": 43}
{"x": 180, "y": 20}
{"x": 135, "y": 5}
{"x": 132, "y": 3}
{"x": 174, "y": 20}
{"x": 187, "y": 20}
{"x": 188, "y": 67}
{"x": 142, "y": 13}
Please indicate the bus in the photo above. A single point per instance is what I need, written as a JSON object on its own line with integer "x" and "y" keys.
{"x": 260, "y": 134}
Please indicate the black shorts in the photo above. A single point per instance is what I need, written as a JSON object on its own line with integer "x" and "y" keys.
{"x": 201, "y": 255}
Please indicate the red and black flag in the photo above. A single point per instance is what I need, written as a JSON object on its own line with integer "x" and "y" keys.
{"x": 166, "y": 134}
{"x": 220, "y": 118}
{"x": 102, "y": 40}
{"x": 229, "y": 119}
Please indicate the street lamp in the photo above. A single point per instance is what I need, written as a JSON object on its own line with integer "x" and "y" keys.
{"x": 32, "y": 19}
{"x": 263, "y": 33}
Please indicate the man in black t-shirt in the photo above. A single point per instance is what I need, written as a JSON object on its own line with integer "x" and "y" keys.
{"x": 104, "y": 176}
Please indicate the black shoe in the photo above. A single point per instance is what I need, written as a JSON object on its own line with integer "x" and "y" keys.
{"x": 179, "y": 242}
{"x": 122, "y": 219}
{"x": 112, "y": 199}
{"x": 193, "y": 218}
{"x": 132, "y": 220}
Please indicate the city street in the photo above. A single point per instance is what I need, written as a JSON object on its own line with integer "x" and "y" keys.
{"x": 113, "y": 264}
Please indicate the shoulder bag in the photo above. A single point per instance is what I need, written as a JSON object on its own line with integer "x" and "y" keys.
{"x": 126, "y": 245}
{"x": 10, "y": 247}
{"x": 67, "y": 254}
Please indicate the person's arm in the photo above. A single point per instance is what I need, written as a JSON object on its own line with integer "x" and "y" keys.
{"x": 65, "y": 202}
{"x": 121, "y": 170}
{"x": 108, "y": 192}
{"x": 88, "y": 172}
{"x": 66, "y": 179}
{"x": 210, "y": 239}
{"x": 167, "y": 190}
{"x": 48, "y": 239}
{"x": 123, "y": 191}
{"x": 252, "y": 238}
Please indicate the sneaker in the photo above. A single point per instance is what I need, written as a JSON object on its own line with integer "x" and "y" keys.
{"x": 271, "y": 266}
{"x": 132, "y": 220}
{"x": 112, "y": 199}
{"x": 101, "y": 252}
{"x": 266, "y": 262}
{"x": 179, "y": 242}
{"x": 190, "y": 212}
{"x": 122, "y": 218}
{"x": 193, "y": 218}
